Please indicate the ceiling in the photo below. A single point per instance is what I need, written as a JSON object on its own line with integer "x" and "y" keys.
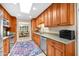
{"x": 36, "y": 9}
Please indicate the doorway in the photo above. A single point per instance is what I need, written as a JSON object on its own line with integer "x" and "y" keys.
{"x": 23, "y": 31}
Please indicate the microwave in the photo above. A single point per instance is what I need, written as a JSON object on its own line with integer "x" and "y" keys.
{"x": 67, "y": 34}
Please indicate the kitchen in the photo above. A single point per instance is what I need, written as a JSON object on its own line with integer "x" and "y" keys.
{"x": 53, "y": 30}
{"x": 53, "y": 26}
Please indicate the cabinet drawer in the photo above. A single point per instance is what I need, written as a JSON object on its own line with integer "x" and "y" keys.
{"x": 50, "y": 41}
{"x": 59, "y": 45}
{"x": 56, "y": 44}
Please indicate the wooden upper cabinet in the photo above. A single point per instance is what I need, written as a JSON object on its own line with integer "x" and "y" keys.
{"x": 63, "y": 14}
{"x": 37, "y": 22}
{"x": 42, "y": 18}
{"x": 60, "y": 14}
{"x": 46, "y": 21}
{"x": 71, "y": 14}
{"x": 49, "y": 19}
{"x": 54, "y": 15}
{"x": 66, "y": 14}
{"x": 33, "y": 24}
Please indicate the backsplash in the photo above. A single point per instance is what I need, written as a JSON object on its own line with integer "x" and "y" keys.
{"x": 56, "y": 29}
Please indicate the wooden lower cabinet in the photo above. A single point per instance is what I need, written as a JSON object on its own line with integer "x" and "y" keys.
{"x": 55, "y": 48}
{"x": 59, "y": 52}
{"x": 50, "y": 50}
{"x": 36, "y": 39}
{"x": 6, "y": 47}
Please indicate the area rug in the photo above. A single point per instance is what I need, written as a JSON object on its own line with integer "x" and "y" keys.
{"x": 28, "y": 48}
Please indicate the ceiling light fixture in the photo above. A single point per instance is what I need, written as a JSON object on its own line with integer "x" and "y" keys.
{"x": 25, "y": 7}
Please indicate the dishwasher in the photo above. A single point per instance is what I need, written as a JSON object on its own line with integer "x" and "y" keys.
{"x": 43, "y": 44}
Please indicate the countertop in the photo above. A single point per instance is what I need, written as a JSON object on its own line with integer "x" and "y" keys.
{"x": 54, "y": 37}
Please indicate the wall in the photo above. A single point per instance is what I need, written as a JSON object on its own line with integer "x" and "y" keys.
{"x": 78, "y": 28}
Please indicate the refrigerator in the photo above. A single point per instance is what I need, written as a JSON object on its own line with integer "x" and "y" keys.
{"x": 1, "y": 37}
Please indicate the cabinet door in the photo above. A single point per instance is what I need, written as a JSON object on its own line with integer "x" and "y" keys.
{"x": 33, "y": 24}
{"x": 55, "y": 48}
{"x": 50, "y": 50}
{"x": 54, "y": 15}
{"x": 38, "y": 19}
{"x": 37, "y": 22}
{"x": 54, "y": 51}
{"x": 42, "y": 18}
{"x": 33, "y": 36}
{"x": 6, "y": 47}
{"x": 59, "y": 52}
{"x": 36, "y": 39}
{"x": 46, "y": 21}
{"x": 70, "y": 14}
{"x": 63, "y": 14}
{"x": 49, "y": 16}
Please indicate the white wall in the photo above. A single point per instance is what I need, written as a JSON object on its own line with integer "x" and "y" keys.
{"x": 78, "y": 27}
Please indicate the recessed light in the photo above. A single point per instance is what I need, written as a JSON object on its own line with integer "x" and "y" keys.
{"x": 25, "y": 7}
{"x": 34, "y": 8}
{"x": 30, "y": 16}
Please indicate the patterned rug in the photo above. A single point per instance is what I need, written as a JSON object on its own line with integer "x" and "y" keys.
{"x": 28, "y": 48}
